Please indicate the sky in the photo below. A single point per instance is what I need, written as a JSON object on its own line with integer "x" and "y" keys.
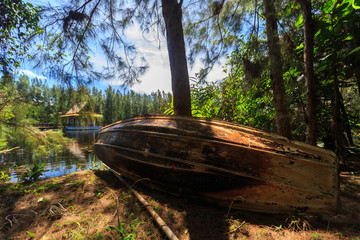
{"x": 158, "y": 75}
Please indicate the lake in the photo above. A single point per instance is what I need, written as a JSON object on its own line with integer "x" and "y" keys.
{"x": 74, "y": 157}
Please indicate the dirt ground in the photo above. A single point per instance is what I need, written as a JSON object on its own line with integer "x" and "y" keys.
{"x": 96, "y": 205}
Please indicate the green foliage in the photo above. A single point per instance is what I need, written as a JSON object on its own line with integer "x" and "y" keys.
{"x": 353, "y": 4}
{"x": 19, "y": 22}
{"x": 32, "y": 235}
{"x": 4, "y": 177}
{"x": 3, "y": 140}
{"x": 21, "y": 107}
{"x": 337, "y": 59}
{"x": 117, "y": 106}
{"x": 205, "y": 100}
{"x": 124, "y": 231}
{"x": 41, "y": 142}
{"x": 169, "y": 108}
{"x": 34, "y": 173}
{"x": 245, "y": 95}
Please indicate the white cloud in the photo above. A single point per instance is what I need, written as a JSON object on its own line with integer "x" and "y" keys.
{"x": 31, "y": 74}
{"x": 158, "y": 75}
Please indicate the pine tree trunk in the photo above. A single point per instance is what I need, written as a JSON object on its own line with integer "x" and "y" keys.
{"x": 310, "y": 85}
{"x": 172, "y": 14}
{"x": 277, "y": 82}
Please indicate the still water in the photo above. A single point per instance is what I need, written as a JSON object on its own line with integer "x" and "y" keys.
{"x": 74, "y": 157}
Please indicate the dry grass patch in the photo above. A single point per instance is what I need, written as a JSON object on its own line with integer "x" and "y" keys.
{"x": 81, "y": 205}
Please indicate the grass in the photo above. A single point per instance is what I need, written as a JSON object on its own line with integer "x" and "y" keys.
{"x": 126, "y": 231}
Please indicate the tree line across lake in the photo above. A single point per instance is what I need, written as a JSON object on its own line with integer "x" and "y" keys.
{"x": 28, "y": 102}
{"x": 44, "y": 104}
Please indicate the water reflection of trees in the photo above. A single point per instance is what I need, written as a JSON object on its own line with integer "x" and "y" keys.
{"x": 71, "y": 158}
{"x": 84, "y": 138}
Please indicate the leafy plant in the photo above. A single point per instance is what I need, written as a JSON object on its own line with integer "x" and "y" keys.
{"x": 278, "y": 228}
{"x": 99, "y": 195}
{"x": 4, "y": 177}
{"x": 126, "y": 232}
{"x": 31, "y": 234}
{"x": 34, "y": 173}
{"x": 316, "y": 236}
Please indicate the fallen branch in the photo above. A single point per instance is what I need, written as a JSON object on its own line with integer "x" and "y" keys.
{"x": 8, "y": 150}
{"x": 169, "y": 233}
{"x": 10, "y": 221}
{"x": 56, "y": 208}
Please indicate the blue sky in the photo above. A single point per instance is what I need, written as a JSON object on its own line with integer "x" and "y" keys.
{"x": 158, "y": 74}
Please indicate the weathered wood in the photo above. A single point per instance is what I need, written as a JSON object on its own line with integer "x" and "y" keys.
{"x": 222, "y": 162}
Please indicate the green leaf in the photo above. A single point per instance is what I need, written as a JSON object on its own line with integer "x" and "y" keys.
{"x": 354, "y": 6}
{"x": 355, "y": 50}
{"x": 300, "y": 47}
{"x": 30, "y": 233}
{"x": 329, "y": 5}
{"x": 299, "y": 21}
{"x": 348, "y": 38}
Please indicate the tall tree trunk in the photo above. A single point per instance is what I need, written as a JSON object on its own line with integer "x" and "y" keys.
{"x": 337, "y": 127}
{"x": 310, "y": 85}
{"x": 277, "y": 82}
{"x": 172, "y": 14}
{"x": 346, "y": 120}
{"x": 354, "y": 43}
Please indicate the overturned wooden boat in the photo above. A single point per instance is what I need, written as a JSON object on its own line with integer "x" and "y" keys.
{"x": 221, "y": 162}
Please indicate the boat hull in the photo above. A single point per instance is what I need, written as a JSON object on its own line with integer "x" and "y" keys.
{"x": 222, "y": 162}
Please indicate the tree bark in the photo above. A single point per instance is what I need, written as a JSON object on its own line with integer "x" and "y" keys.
{"x": 172, "y": 14}
{"x": 337, "y": 129}
{"x": 354, "y": 43}
{"x": 345, "y": 120}
{"x": 277, "y": 82}
{"x": 310, "y": 84}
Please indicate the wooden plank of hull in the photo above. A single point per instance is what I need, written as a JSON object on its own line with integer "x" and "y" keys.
{"x": 223, "y": 163}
